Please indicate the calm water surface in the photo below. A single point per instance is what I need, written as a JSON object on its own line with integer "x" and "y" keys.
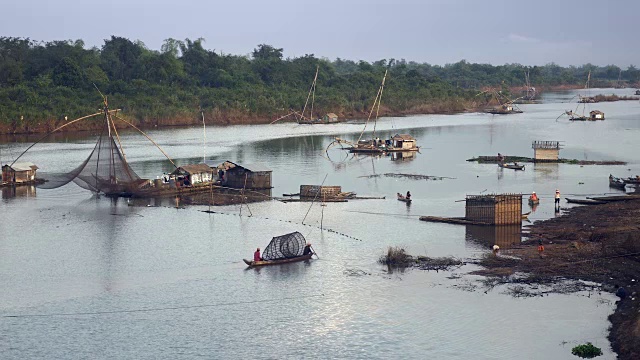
{"x": 97, "y": 278}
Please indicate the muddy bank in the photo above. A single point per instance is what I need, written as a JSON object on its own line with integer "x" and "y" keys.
{"x": 227, "y": 117}
{"x": 599, "y": 243}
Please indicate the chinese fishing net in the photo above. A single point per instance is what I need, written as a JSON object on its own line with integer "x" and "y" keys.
{"x": 105, "y": 170}
{"x": 285, "y": 246}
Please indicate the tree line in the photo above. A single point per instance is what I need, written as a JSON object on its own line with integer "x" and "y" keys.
{"x": 48, "y": 81}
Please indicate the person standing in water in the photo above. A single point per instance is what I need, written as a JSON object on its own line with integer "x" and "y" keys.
{"x": 557, "y": 201}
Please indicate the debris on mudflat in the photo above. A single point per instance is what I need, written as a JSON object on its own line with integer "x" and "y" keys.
{"x": 397, "y": 257}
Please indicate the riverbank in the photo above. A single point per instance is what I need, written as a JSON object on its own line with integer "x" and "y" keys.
{"x": 599, "y": 243}
{"x": 231, "y": 117}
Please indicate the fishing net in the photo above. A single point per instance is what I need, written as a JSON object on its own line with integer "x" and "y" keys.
{"x": 285, "y": 246}
{"x": 105, "y": 170}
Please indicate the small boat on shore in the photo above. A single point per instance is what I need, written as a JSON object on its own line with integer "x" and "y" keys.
{"x": 616, "y": 182}
{"x": 403, "y": 198}
{"x": 283, "y": 249}
{"x": 513, "y": 166}
{"x": 584, "y": 201}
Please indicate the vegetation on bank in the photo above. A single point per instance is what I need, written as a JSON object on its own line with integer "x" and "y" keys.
{"x": 42, "y": 83}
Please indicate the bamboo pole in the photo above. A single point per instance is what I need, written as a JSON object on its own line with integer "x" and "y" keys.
{"x": 54, "y": 130}
{"x": 148, "y": 138}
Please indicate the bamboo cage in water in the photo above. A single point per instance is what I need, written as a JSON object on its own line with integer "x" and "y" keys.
{"x": 494, "y": 209}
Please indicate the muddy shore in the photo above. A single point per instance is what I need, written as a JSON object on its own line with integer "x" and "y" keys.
{"x": 228, "y": 117}
{"x": 599, "y": 243}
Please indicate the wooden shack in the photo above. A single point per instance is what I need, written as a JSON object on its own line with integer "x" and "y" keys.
{"x": 494, "y": 209}
{"x": 249, "y": 176}
{"x": 311, "y": 191}
{"x": 196, "y": 173}
{"x": 546, "y": 151}
{"x": 330, "y": 118}
{"x": 596, "y": 115}
{"x": 19, "y": 173}
{"x": 403, "y": 141}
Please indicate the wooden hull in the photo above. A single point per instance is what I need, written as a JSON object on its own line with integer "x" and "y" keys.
{"x": 585, "y": 202}
{"x": 404, "y": 199}
{"x": 617, "y": 183}
{"x": 513, "y": 167}
{"x": 534, "y": 202}
{"x": 251, "y": 263}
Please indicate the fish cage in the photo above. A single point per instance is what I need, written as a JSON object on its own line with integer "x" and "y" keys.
{"x": 494, "y": 209}
{"x": 319, "y": 191}
{"x": 546, "y": 151}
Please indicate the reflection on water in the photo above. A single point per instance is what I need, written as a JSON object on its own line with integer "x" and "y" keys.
{"x": 505, "y": 236}
{"x": 85, "y": 254}
{"x": 403, "y": 156}
{"x": 9, "y": 192}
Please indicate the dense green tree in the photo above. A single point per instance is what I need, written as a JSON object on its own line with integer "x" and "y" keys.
{"x": 50, "y": 80}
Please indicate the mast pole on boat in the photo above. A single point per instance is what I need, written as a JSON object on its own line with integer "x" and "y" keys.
{"x": 204, "y": 138}
{"x": 379, "y": 101}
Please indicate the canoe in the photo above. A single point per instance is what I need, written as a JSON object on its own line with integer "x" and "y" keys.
{"x": 252, "y": 263}
{"x": 534, "y": 202}
{"x": 511, "y": 166}
{"x": 585, "y": 202}
{"x": 404, "y": 199}
{"x": 616, "y": 183}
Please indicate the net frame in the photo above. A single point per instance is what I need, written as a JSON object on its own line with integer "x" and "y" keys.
{"x": 285, "y": 247}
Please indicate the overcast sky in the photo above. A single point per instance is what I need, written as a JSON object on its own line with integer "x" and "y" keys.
{"x": 534, "y": 32}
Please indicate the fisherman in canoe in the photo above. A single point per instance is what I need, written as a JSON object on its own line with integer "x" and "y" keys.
{"x": 307, "y": 250}
{"x": 534, "y": 197}
{"x": 256, "y": 255}
{"x": 408, "y": 195}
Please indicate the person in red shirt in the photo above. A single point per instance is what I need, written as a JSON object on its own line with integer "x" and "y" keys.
{"x": 256, "y": 255}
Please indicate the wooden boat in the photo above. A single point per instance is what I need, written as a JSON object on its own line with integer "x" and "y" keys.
{"x": 534, "y": 202}
{"x": 585, "y": 201}
{"x": 403, "y": 198}
{"x": 616, "y": 183}
{"x": 283, "y": 249}
{"x": 632, "y": 180}
{"x": 252, "y": 263}
{"x": 513, "y": 166}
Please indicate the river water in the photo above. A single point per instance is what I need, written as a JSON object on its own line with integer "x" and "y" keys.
{"x": 88, "y": 277}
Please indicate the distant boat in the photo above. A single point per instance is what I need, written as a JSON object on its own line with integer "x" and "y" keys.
{"x": 593, "y": 115}
{"x": 403, "y": 198}
{"x": 513, "y": 166}
{"x": 283, "y": 249}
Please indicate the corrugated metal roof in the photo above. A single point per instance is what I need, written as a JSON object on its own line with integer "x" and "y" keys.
{"x": 251, "y": 167}
{"x": 405, "y": 137}
{"x": 256, "y": 167}
{"x": 196, "y": 168}
{"x": 24, "y": 166}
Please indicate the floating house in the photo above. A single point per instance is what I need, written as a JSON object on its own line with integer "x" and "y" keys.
{"x": 494, "y": 209}
{"x": 195, "y": 173}
{"x": 403, "y": 141}
{"x": 326, "y": 192}
{"x": 19, "y": 173}
{"x": 330, "y": 118}
{"x": 546, "y": 151}
{"x": 249, "y": 176}
{"x": 596, "y": 115}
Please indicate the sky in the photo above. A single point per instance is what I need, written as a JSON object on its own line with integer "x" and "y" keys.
{"x": 534, "y": 32}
